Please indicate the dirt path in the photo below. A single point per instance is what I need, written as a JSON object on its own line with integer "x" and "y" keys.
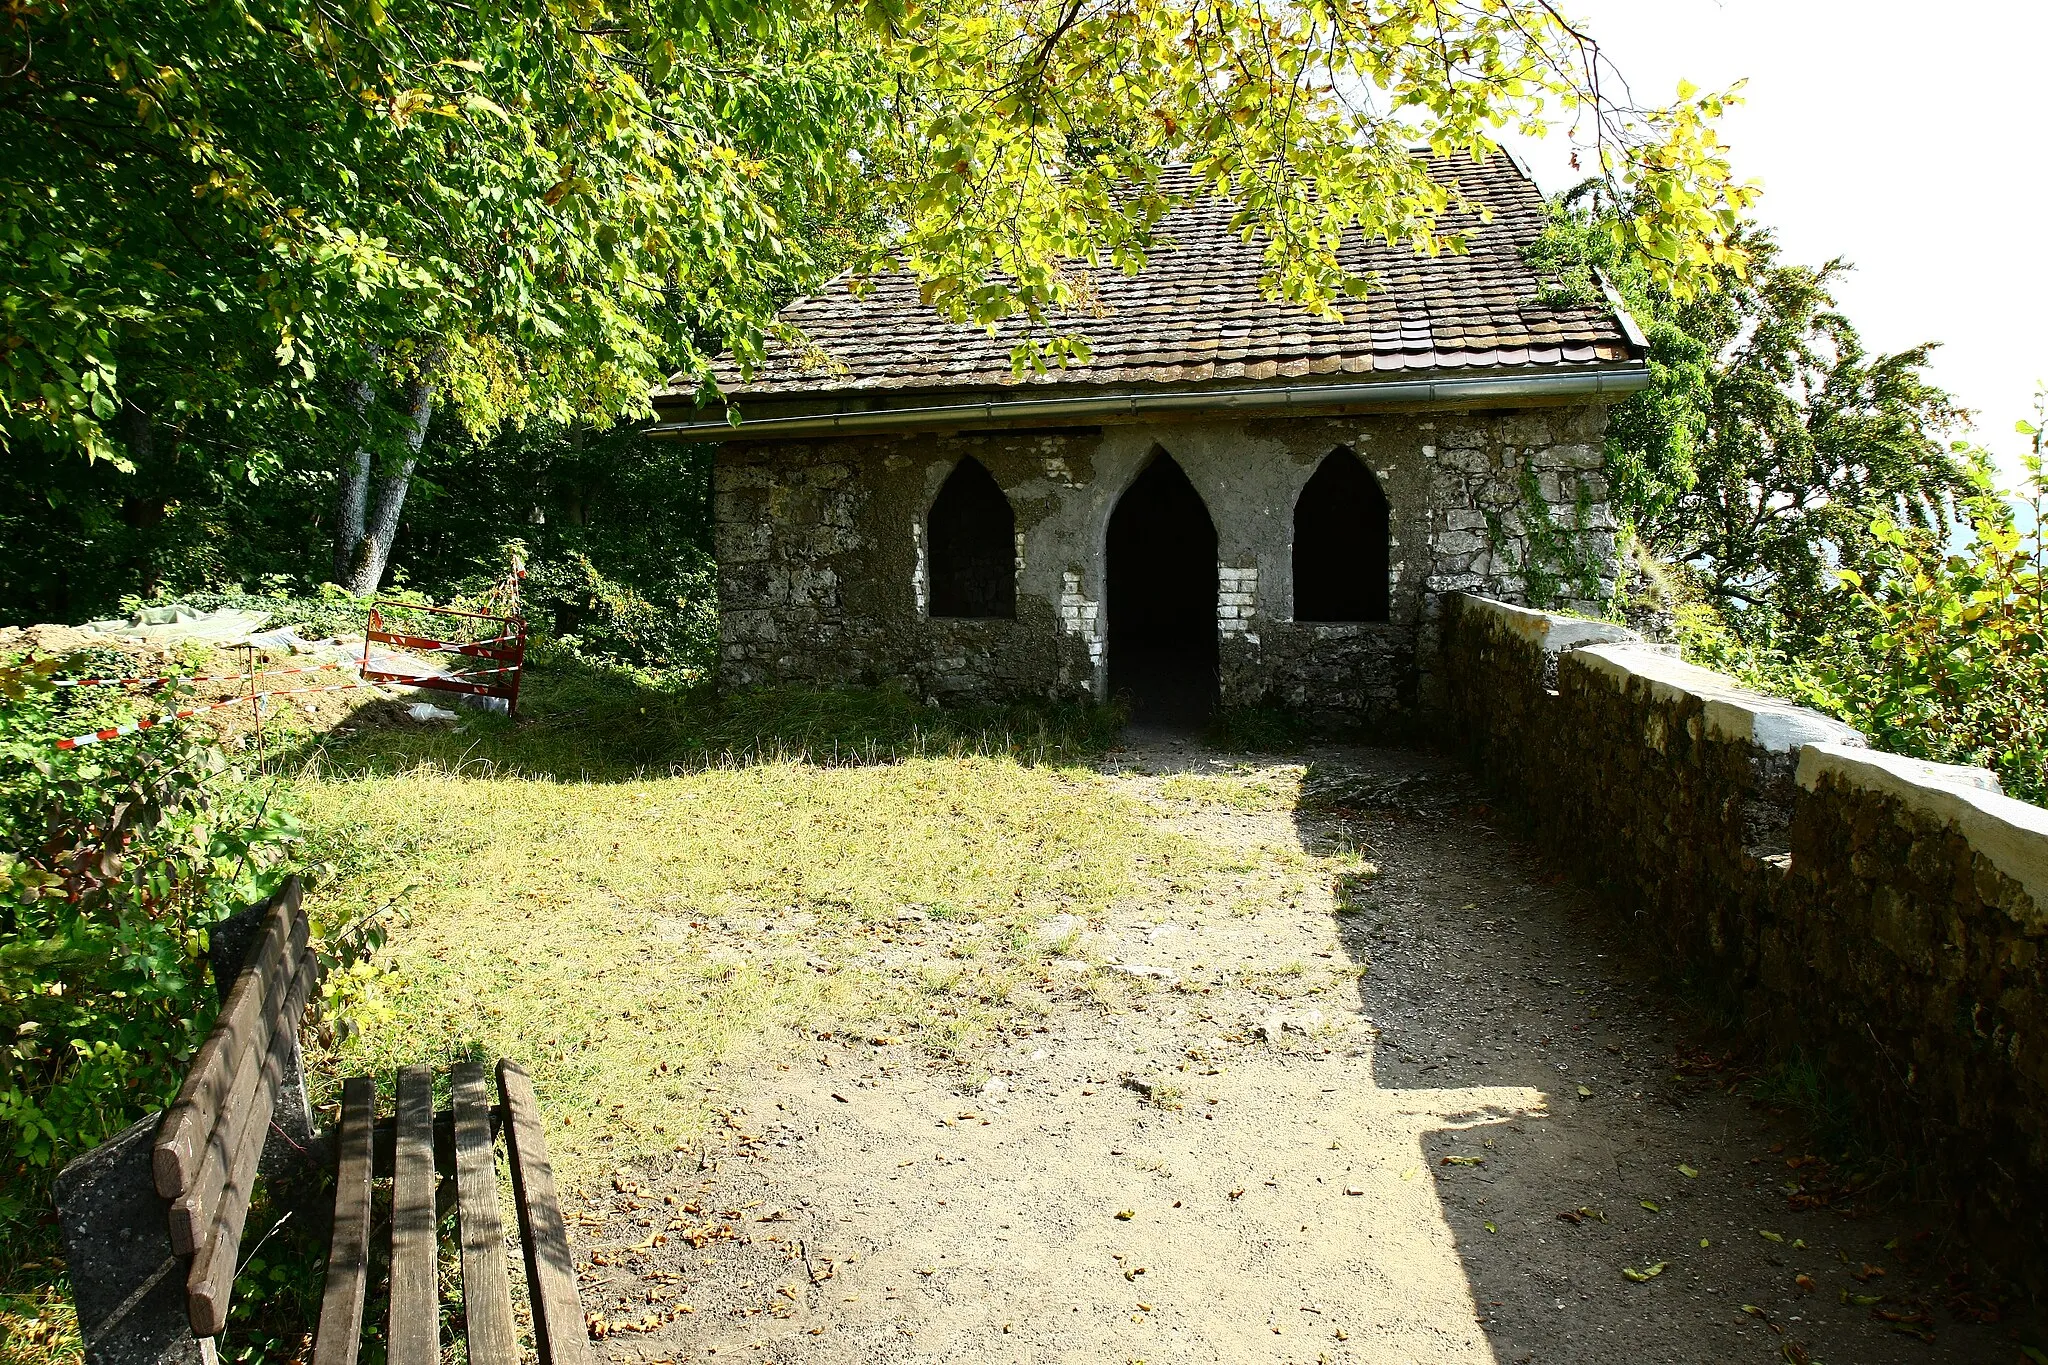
{"x": 1435, "y": 1126}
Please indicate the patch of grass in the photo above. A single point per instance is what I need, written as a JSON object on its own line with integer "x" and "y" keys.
{"x": 1259, "y": 730}
{"x": 581, "y": 722}
{"x": 38, "y": 1325}
{"x": 624, "y": 938}
{"x": 1266, "y": 790}
{"x": 1167, "y": 1097}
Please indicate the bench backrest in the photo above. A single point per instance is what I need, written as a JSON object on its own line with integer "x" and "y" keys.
{"x": 208, "y": 1150}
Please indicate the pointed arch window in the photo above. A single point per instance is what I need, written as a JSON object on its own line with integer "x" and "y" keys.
{"x": 1340, "y": 543}
{"x": 972, "y": 543}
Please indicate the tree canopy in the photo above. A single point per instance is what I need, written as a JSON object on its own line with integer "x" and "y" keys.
{"x": 250, "y": 207}
{"x": 1771, "y": 439}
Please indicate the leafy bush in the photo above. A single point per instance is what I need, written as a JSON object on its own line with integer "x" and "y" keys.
{"x": 1941, "y": 656}
{"x": 666, "y": 637}
{"x": 115, "y": 859}
{"x": 1948, "y": 657}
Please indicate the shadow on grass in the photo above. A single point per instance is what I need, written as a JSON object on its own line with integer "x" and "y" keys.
{"x": 579, "y": 723}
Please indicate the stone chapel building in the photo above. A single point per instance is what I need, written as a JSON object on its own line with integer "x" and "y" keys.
{"x": 1231, "y": 502}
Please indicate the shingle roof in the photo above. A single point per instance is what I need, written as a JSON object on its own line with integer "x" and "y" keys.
{"x": 1195, "y": 314}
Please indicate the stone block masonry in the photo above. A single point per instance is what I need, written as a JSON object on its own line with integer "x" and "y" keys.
{"x": 1881, "y": 916}
{"x": 822, "y": 556}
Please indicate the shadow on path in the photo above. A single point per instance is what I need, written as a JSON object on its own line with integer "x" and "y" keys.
{"x": 1480, "y": 968}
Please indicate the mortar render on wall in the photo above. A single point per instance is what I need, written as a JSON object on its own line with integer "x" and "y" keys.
{"x": 820, "y": 551}
{"x": 1882, "y": 916}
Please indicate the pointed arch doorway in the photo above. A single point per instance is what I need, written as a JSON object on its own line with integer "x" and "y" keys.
{"x": 1161, "y": 561}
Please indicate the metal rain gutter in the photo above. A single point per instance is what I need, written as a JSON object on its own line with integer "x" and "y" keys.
{"x": 1459, "y": 391}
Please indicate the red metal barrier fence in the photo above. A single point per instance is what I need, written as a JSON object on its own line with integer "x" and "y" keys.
{"x": 500, "y": 639}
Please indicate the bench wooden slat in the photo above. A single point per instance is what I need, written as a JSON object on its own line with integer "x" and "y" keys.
{"x": 244, "y": 1026}
{"x": 558, "y": 1327}
{"x": 192, "y": 1212}
{"x": 413, "y": 1336}
{"x": 486, "y": 1288}
{"x": 340, "y": 1334}
{"x": 211, "y": 1281}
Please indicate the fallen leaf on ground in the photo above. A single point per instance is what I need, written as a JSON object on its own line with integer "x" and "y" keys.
{"x": 1770, "y": 1236}
{"x": 1126, "y": 1215}
{"x": 1688, "y": 1172}
{"x": 1648, "y": 1272}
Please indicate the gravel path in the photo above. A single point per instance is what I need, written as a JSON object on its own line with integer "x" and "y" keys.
{"x": 1436, "y": 1114}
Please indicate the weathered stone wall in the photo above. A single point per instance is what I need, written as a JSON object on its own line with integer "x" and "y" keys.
{"x": 1883, "y": 916}
{"x": 820, "y": 548}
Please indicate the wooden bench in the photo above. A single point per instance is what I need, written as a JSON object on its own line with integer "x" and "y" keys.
{"x": 153, "y": 1220}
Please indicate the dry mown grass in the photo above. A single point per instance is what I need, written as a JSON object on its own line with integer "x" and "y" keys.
{"x": 624, "y": 938}
{"x": 38, "y": 1326}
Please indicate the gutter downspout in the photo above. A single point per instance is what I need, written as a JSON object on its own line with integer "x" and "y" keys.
{"x": 1453, "y": 392}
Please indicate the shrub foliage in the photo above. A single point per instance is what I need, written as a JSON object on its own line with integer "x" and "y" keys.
{"x": 115, "y": 859}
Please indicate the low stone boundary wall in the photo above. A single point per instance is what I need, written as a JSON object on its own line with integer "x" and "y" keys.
{"x": 1884, "y": 916}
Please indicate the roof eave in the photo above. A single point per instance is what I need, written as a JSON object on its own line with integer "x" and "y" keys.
{"x": 1608, "y": 383}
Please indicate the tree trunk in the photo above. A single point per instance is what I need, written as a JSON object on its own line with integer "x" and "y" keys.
{"x": 354, "y": 495}
{"x": 372, "y": 547}
{"x": 138, "y": 431}
{"x": 140, "y": 512}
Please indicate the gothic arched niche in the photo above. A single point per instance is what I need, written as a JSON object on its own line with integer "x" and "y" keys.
{"x": 971, "y": 541}
{"x": 1340, "y": 543}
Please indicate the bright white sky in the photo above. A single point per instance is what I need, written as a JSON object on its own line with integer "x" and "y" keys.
{"x": 1906, "y": 137}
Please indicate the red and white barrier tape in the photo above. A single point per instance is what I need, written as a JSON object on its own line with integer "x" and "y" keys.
{"x": 134, "y": 727}
{"x": 245, "y": 677}
{"x": 194, "y": 677}
{"x": 116, "y": 731}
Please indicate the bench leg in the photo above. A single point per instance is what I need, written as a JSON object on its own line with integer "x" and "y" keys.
{"x": 127, "y": 1282}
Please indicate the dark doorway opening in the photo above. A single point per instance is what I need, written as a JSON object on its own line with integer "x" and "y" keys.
{"x": 1162, "y": 598}
{"x": 1340, "y": 543}
{"x": 972, "y": 540}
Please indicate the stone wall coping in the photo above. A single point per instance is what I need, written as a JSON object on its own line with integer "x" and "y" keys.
{"x": 1550, "y": 632}
{"x": 2012, "y": 833}
{"x": 1619, "y": 654}
{"x": 1732, "y": 711}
